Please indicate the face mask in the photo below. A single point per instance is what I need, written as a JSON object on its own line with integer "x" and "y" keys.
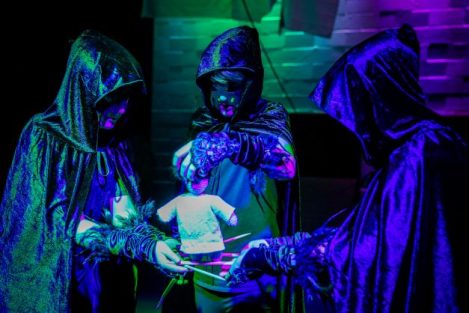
{"x": 112, "y": 112}
{"x": 226, "y": 99}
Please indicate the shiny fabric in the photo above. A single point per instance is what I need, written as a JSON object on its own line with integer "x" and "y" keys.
{"x": 233, "y": 50}
{"x": 238, "y": 49}
{"x": 401, "y": 248}
{"x": 51, "y": 172}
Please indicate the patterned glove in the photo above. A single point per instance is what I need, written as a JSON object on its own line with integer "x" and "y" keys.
{"x": 209, "y": 149}
{"x": 312, "y": 271}
{"x": 255, "y": 262}
{"x": 137, "y": 243}
{"x": 133, "y": 242}
{"x": 278, "y": 257}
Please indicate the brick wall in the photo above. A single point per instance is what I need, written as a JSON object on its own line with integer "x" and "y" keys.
{"x": 301, "y": 59}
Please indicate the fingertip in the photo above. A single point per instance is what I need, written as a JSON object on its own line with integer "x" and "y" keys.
{"x": 234, "y": 221}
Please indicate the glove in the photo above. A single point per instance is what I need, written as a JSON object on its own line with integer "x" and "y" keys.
{"x": 295, "y": 240}
{"x": 209, "y": 149}
{"x": 302, "y": 255}
{"x": 142, "y": 242}
{"x": 273, "y": 256}
{"x": 251, "y": 149}
{"x": 254, "y": 262}
{"x": 145, "y": 243}
{"x": 137, "y": 243}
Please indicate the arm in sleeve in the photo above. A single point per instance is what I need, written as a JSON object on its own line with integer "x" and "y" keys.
{"x": 223, "y": 210}
{"x": 134, "y": 242}
{"x": 168, "y": 211}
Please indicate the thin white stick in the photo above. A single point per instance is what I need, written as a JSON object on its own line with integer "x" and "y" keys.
{"x": 195, "y": 269}
{"x": 210, "y": 263}
{"x": 236, "y": 237}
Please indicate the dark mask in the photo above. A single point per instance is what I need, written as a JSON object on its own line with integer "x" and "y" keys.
{"x": 227, "y": 99}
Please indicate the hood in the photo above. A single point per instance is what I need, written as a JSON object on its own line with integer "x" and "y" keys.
{"x": 236, "y": 49}
{"x": 373, "y": 90}
{"x": 97, "y": 65}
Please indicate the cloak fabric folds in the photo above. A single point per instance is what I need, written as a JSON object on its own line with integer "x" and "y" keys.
{"x": 50, "y": 174}
{"x": 258, "y": 116}
{"x": 401, "y": 249}
{"x": 238, "y": 49}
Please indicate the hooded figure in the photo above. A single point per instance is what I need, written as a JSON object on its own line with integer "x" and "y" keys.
{"x": 71, "y": 164}
{"x": 400, "y": 249}
{"x": 243, "y": 144}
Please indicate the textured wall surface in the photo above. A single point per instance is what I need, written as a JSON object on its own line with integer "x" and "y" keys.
{"x": 301, "y": 59}
{"x": 328, "y": 156}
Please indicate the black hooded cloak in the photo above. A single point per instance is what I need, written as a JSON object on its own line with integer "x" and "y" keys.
{"x": 50, "y": 175}
{"x": 401, "y": 248}
{"x": 238, "y": 49}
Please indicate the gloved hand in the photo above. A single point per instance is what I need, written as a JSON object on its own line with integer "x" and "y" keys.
{"x": 303, "y": 255}
{"x": 209, "y": 149}
{"x": 258, "y": 259}
{"x": 142, "y": 242}
{"x": 248, "y": 150}
{"x": 279, "y": 162}
{"x": 199, "y": 156}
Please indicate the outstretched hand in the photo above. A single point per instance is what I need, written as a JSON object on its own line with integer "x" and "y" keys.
{"x": 243, "y": 268}
{"x": 199, "y": 156}
{"x": 167, "y": 259}
{"x": 279, "y": 162}
{"x": 182, "y": 163}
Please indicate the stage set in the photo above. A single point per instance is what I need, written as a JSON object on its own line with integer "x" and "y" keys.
{"x": 235, "y": 156}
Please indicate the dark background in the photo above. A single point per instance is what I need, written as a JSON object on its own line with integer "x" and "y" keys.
{"x": 36, "y": 44}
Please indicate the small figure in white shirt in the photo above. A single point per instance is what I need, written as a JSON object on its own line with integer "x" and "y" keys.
{"x": 197, "y": 217}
